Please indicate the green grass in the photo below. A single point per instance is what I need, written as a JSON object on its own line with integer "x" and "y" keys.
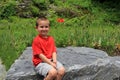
{"x": 16, "y": 34}
{"x": 93, "y": 25}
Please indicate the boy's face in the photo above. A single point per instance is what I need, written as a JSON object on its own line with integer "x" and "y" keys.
{"x": 43, "y": 27}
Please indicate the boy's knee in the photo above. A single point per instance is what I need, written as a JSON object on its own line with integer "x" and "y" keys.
{"x": 52, "y": 72}
{"x": 61, "y": 71}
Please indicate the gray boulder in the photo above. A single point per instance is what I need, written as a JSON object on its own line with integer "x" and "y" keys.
{"x": 81, "y": 63}
{"x": 102, "y": 69}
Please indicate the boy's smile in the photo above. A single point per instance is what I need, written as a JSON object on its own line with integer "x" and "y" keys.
{"x": 43, "y": 28}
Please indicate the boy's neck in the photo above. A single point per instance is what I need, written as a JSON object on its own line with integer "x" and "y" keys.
{"x": 46, "y": 36}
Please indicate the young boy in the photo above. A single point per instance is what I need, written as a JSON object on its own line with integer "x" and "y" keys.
{"x": 44, "y": 52}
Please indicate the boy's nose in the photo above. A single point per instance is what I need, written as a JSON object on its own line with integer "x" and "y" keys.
{"x": 44, "y": 28}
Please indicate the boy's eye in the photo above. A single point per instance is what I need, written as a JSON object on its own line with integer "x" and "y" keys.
{"x": 41, "y": 26}
{"x": 44, "y": 26}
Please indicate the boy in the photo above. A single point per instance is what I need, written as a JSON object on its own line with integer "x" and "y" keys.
{"x": 44, "y": 52}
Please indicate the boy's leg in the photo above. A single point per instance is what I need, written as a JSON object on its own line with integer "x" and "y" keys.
{"x": 60, "y": 73}
{"x": 52, "y": 74}
{"x": 46, "y": 70}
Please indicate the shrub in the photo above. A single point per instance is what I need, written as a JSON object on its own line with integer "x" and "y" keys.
{"x": 8, "y": 9}
{"x": 66, "y": 12}
{"x": 41, "y": 4}
{"x": 34, "y": 11}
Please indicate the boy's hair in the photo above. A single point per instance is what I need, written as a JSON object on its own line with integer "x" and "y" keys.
{"x": 41, "y": 18}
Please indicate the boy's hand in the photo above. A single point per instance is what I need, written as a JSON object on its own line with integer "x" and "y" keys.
{"x": 54, "y": 62}
{"x": 54, "y": 65}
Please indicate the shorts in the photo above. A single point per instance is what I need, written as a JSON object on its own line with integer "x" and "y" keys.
{"x": 43, "y": 68}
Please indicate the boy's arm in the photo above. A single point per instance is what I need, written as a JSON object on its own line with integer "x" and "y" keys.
{"x": 45, "y": 59}
{"x": 54, "y": 57}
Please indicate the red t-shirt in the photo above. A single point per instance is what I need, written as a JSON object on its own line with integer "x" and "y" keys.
{"x": 45, "y": 46}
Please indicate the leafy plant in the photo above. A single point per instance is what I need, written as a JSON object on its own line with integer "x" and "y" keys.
{"x": 8, "y": 9}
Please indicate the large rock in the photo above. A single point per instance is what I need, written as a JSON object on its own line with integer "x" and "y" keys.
{"x": 81, "y": 63}
{"x": 102, "y": 69}
{"x": 2, "y": 71}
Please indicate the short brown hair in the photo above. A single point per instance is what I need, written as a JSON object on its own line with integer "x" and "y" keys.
{"x": 41, "y": 18}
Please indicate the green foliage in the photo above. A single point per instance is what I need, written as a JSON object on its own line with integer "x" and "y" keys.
{"x": 86, "y": 23}
{"x": 108, "y": 10}
{"x": 34, "y": 10}
{"x": 41, "y": 4}
{"x": 7, "y": 9}
{"x": 108, "y": 7}
{"x": 51, "y": 1}
{"x": 67, "y": 12}
{"x": 16, "y": 34}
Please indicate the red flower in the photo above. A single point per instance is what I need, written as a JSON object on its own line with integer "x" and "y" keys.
{"x": 60, "y": 20}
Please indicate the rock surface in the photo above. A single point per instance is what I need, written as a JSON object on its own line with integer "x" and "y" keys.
{"x": 2, "y": 71}
{"x": 81, "y": 63}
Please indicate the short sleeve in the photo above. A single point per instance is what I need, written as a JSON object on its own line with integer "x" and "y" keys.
{"x": 36, "y": 47}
